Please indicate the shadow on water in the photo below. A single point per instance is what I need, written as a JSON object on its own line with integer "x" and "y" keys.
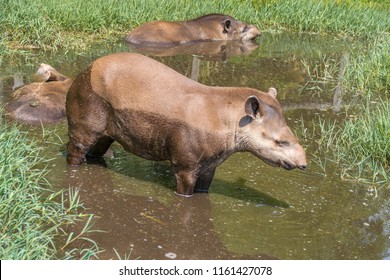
{"x": 179, "y": 228}
{"x": 245, "y": 193}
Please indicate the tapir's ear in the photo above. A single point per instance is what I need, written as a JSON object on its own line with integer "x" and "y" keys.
{"x": 252, "y": 106}
{"x": 43, "y": 72}
{"x": 272, "y": 92}
{"x": 49, "y": 76}
{"x": 227, "y": 25}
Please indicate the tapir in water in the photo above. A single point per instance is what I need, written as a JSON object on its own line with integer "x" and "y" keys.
{"x": 43, "y": 102}
{"x": 158, "y": 114}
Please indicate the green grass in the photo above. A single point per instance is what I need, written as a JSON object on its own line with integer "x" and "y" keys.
{"x": 35, "y": 223}
{"x": 74, "y": 24}
{"x": 364, "y": 143}
{"x": 368, "y": 71}
{"x": 359, "y": 145}
{"x": 353, "y": 17}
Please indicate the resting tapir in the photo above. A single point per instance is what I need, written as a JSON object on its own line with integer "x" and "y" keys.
{"x": 42, "y": 102}
{"x": 213, "y": 27}
{"x": 158, "y": 114}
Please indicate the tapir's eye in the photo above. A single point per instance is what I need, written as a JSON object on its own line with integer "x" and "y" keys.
{"x": 282, "y": 143}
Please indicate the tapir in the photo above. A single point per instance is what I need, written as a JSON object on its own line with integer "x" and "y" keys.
{"x": 158, "y": 114}
{"x": 212, "y": 27}
{"x": 42, "y": 102}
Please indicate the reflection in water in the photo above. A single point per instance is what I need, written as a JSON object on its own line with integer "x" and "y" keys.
{"x": 338, "y": 92}
{"x": 195, "y": 68}
{"x": 18, "y": 81}
{"x": 214, "y": 50}
{"x": 253, "y": 210}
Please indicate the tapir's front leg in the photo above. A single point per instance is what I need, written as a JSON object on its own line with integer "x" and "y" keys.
{"x": 185, "y": 181}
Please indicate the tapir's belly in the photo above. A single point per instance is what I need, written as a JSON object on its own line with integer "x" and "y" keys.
{"x": 144, "y": 134}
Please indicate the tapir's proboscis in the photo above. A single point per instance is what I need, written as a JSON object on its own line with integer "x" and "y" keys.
{"x": 158, "y": 114}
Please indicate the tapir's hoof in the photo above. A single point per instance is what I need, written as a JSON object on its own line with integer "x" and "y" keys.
{"x": 183, "y": 195}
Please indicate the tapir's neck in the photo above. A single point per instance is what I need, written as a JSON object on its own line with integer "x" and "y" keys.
{"x": 227, "y": 107}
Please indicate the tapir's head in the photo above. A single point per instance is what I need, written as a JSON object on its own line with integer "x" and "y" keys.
{"x": 238, "y": 30}
{"x": 229, "y": 28}
{"x": 264, "y": 132}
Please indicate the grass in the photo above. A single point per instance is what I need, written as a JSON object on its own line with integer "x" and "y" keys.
{"x": 368, "y": 71}
{"x": 343, "y": 17}
{"x": 364, "y": 144}
{"x": 359, "y": 145}
{"x": 35, "y": 223}
{"x": 74, "y": 24}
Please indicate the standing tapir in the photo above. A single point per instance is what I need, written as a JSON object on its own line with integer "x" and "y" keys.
{"x": 158, "y": 114}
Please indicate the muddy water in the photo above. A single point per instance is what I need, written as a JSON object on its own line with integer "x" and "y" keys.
{"x": 253, "y": 211}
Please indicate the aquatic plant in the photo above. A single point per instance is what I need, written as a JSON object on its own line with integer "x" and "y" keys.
{"x": 34, "y": 220}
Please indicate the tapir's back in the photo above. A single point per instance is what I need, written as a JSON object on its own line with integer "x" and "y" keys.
{"x": 124, "y": 79}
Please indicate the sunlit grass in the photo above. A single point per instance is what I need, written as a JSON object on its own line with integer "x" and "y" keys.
{"x": 72, "y": 23}
{"x": 368, "y": 71}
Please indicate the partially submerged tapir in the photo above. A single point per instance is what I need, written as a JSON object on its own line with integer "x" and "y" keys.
{"x": 42, "y": 102}
{"x": 212, "y": 27}
{"x": 158, "y": 114}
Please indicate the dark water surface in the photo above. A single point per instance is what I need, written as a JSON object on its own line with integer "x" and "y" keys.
{"x": 253, "y": 211}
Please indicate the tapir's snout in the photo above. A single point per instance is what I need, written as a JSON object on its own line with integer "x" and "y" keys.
{"x": 294, "y": 158}
{"x": 250, "y": 32}
{"x": 300, "y": 161}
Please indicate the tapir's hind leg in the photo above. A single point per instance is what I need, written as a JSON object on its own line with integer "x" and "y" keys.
{"x": 87, "y": 115}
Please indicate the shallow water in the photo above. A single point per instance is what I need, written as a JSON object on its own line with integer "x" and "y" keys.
{"x": 253, "y": 211}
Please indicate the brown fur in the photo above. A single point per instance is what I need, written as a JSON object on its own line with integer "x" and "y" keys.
{"x": 213, "y": 27}
{"x": 42, "y": 102}
{"x": 158, "y": 114}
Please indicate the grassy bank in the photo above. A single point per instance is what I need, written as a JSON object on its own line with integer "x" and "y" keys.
{"x": 34, "y": 222}
{"x": 73, "y": 24}
{"x": 359, "y": 144}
